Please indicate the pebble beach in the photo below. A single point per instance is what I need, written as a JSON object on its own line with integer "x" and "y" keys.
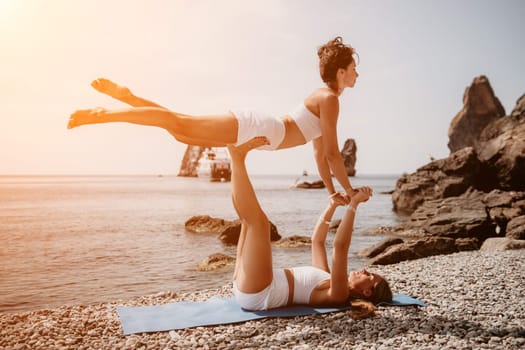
{"x": 475, "y": 301}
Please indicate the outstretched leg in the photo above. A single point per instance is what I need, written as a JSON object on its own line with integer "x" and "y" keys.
{"x": 207, "y": 131}
{"x": 121, "y": 93}
{"x": 253, "y": 269}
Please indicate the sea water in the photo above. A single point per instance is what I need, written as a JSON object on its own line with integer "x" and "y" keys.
{"x": 85, "y": 239}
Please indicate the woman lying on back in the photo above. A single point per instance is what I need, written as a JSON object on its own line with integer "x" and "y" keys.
{"x": 259, "y": 286}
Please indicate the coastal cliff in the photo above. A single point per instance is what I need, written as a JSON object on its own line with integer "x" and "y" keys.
{"x": 477, "y": 192}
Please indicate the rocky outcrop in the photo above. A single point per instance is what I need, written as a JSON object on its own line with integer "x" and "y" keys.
{"x": 475, "y": 194}
{"x": 437, "y": 180}
{"x": 230, "y": 235}
{"x": 349, "y": 156}
{"x": 190, "y": 161}
{"x": 215, "y": 262}
{"x": 468, "y": 220}
{"x": 480, "y": 107}
{"x": 502, "y": 151}
{"x": 423, "y": 247}
{"x": 455, "y": 217}
{"x": 496, "y": 160}
{"x": 516, "y": 228}
{"x": 501, "y": 244}
{"x": 380, "y": 247}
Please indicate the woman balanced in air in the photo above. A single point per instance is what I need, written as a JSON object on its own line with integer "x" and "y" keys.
{"x": 259, "y": 286}
{"x": 314, "y": 119}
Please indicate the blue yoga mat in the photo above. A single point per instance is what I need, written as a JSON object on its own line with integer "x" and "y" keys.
{"x": 217, "y": 310}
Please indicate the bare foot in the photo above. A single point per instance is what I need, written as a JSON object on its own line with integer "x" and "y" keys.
{"x": 110, "y": 88}
{"x": 241, "y": 150}
{"x": 84, "y": 116}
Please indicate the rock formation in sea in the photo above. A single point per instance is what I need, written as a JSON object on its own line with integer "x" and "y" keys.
{"x": 476, "y": 193}
{"x": 190, "y": 161}
{"x": 349, "y": 156}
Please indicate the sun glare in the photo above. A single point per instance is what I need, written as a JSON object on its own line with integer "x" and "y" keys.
{"x": 9, "y": 10}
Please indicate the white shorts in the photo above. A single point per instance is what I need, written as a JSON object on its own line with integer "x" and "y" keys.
{"x": 252, "y": 124}
{"x": 271, "y": 297}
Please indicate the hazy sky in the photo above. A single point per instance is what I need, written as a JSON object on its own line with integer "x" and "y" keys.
{"x": 196, "y": 57}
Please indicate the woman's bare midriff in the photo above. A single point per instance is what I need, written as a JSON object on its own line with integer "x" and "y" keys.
{"x": 292, "y": 136}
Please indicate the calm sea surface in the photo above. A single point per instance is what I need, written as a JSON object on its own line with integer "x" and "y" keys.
{"x": 86, "y": 239}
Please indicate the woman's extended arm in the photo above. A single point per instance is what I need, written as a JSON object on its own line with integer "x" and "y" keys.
{"x": 343, "y": 237}
{"x": 121, "y": 93}
{"x": 319, "y": 258}
{"x": 329, "y": 109}
{"x": 322, "y": 165}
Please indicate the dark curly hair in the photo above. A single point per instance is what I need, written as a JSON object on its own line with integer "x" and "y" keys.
{"x": 364, "y": 307}
{"x": 332, "y": 56}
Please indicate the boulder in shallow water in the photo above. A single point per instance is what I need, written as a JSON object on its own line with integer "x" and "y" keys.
{"x": 294, "y": 242}
{"x": 230, "y": 234}
{"x": 309, "y": 185}
{"x": 206, "y": 224}
{"x": 215, "y": 262}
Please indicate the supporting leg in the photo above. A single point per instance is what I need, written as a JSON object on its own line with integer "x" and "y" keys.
{"x": 253, "y": 270}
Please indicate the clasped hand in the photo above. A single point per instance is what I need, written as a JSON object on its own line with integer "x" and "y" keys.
{"x": 361, "y": 194}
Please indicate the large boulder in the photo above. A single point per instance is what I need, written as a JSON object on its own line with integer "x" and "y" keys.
{"x": 230, "y": 234}
{"x": 501, "y": 150}
{"x": 462, "y": 216}
{"x": 309, "y": 185}
{"x": 206, "y": 224}
{"x": 503, "y": 158}
{"x": 380, "y": 247}
{"x": 423, "y": 247}
{"x": 516, "y": 228}
{"x": 215, "y": 262}
{"x": 437, "y": 180}
{"x": 504, "y": 206}
{"x": 294, "y": 241}
{"x": 349, "y": 156}
{"x": 480, "y": 107}
{"x": 499, "y": 244}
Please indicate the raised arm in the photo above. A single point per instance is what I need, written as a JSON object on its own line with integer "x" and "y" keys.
{"x": 329, "y": 109}
{"x": 121, "y": 93}
{"x": 319, "y": 258}
{"x": 343, "y": 237}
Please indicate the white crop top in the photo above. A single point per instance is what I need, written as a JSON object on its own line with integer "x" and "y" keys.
{"x": 308, "y": 123}
{"x": 305, "y": 279}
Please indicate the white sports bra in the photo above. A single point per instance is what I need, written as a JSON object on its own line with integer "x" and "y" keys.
{"x": 308, "y": 123}
{"x": 305, "y": 279}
